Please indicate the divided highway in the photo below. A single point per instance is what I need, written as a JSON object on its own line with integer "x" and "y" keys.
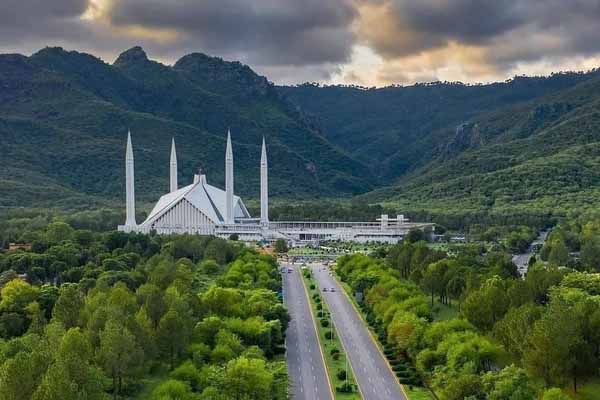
{"x": 375, "y": 380}
{"x": 306, "y": 367}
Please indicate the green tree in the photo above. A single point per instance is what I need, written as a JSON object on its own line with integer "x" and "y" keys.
{"x": 485, "y": 306}
{"x": 281, "y": 246}
{"x": 68, "y": 306}
{"x": 173, "y": 335}
{"x": 511, "y": 383}
{"x": 58, "y": 232}
{"x": 72, "y": 376}
{"x": 173, "y": 390}
{"x": 16, "y": 295}
{"x": 118, "y": 354}
{"x": 248, "y": 379}
{"x": 559, "y": 254}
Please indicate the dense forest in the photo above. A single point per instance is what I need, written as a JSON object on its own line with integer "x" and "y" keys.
{"x": 87, "y": 315}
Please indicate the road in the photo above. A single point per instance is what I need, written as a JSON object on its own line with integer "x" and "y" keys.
{"x": 375, "y": 379}
{"x": 306, "y": 367}
{"x": 522, "y": 260}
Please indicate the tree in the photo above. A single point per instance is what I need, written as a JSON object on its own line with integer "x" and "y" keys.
{"x": 590, "y": 252}
{"x": 173, "y": 335}
{"x": 415, "y": 235}
{"x": 151, "y": 297}
{"x": 559, "y": 254}
{"x": 72, "y": 376}
{"x": 511, "y": 383}
{"x": 558, "y": 335}
{"x": 172, "y": 390}
{"x": 118, "y": 354}
{"x": 485, "y": 306}
{"x": 68, "y": 306}
{"x": 404, "y": 329}
{"x": 58, "y": 232}
{"x": 21, "y": 374}
{"x": 248, "y": 379}
{"x": 17, "y": 294}
{"x": 514, "y": 329}
{"x": 281, "y": 246}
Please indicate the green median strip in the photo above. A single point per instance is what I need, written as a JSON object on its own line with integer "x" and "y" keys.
{"x": 336, "y": 362}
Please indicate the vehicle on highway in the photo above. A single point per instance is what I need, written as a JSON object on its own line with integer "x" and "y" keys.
{"x": 332, "y": 289}
{"x": 290, "y": 270}
{"x": 324, "y": 289}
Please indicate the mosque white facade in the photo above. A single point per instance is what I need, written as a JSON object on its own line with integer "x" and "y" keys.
{"x": 200, "y": 208}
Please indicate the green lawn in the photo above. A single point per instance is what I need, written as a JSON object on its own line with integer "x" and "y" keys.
{"x": 333, "y": 366}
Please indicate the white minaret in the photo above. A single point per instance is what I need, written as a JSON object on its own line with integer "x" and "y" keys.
{"x": 264, "y": 186}
{"x": 229, "y": 181}
{"x": 173, "y": 167}
{"x": 129, "y": 185}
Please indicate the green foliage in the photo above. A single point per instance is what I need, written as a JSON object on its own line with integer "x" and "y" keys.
{"x": 88, "y": 105}
{"x": 137, "y": 308}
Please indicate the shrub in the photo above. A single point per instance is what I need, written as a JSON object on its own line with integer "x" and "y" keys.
{"x": 324, "y": 323}
{"x": 341, "y": 375}
{"x": 336, "y": 356}
{"x": 328, "y": 335}
{"x": 333, "y": 351}
{"x": 320, "y": 314}
{"x": 319, "y": 306}
{"x": 344, "y": 388}
{"x": 312, "y": 286}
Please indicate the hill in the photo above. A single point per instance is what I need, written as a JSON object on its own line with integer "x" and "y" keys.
{"x": 539, "y": 157}
{"x": 528, "y": 145}
{"x": 64, "y": 116}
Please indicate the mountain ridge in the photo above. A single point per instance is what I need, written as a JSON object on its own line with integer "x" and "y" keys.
{"x": 85, "y": 106}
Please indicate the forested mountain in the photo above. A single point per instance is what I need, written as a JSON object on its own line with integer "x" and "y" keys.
{"x": 544, "y": 154}
{"x": 64, "y": 118}
{"x": 528, "y": 142}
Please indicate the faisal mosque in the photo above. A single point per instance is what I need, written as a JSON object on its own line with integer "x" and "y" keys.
{"x": 204, "y": 209}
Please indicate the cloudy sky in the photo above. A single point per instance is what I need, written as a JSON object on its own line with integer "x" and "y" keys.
{"x": 366, "y": 42}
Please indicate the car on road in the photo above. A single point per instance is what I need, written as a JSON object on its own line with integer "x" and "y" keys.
{"x": 324, "y": 289}
{"x": 290, "y": 270}
{"x": 332, "y": 289}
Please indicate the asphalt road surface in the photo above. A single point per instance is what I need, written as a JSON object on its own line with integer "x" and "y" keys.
{"x": 522, "y": 260}
{"x": 305, "y": 363}
{"x": 375, "y": 379}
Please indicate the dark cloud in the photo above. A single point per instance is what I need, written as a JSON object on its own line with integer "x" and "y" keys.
{"x": 24, "y": 20}
{"x": 297, "y": 40}
{"x": 508, "y": 31}
{"x": 266, "y": 32}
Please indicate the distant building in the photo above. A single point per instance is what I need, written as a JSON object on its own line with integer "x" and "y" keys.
{"x": 19, "y": 246}
{"x": 200, "y": 208}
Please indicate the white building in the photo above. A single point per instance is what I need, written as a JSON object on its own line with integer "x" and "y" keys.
{"x": 200, "y": 208}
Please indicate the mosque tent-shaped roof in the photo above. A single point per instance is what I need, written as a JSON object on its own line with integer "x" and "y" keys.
{"x": 209, "y": 200}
